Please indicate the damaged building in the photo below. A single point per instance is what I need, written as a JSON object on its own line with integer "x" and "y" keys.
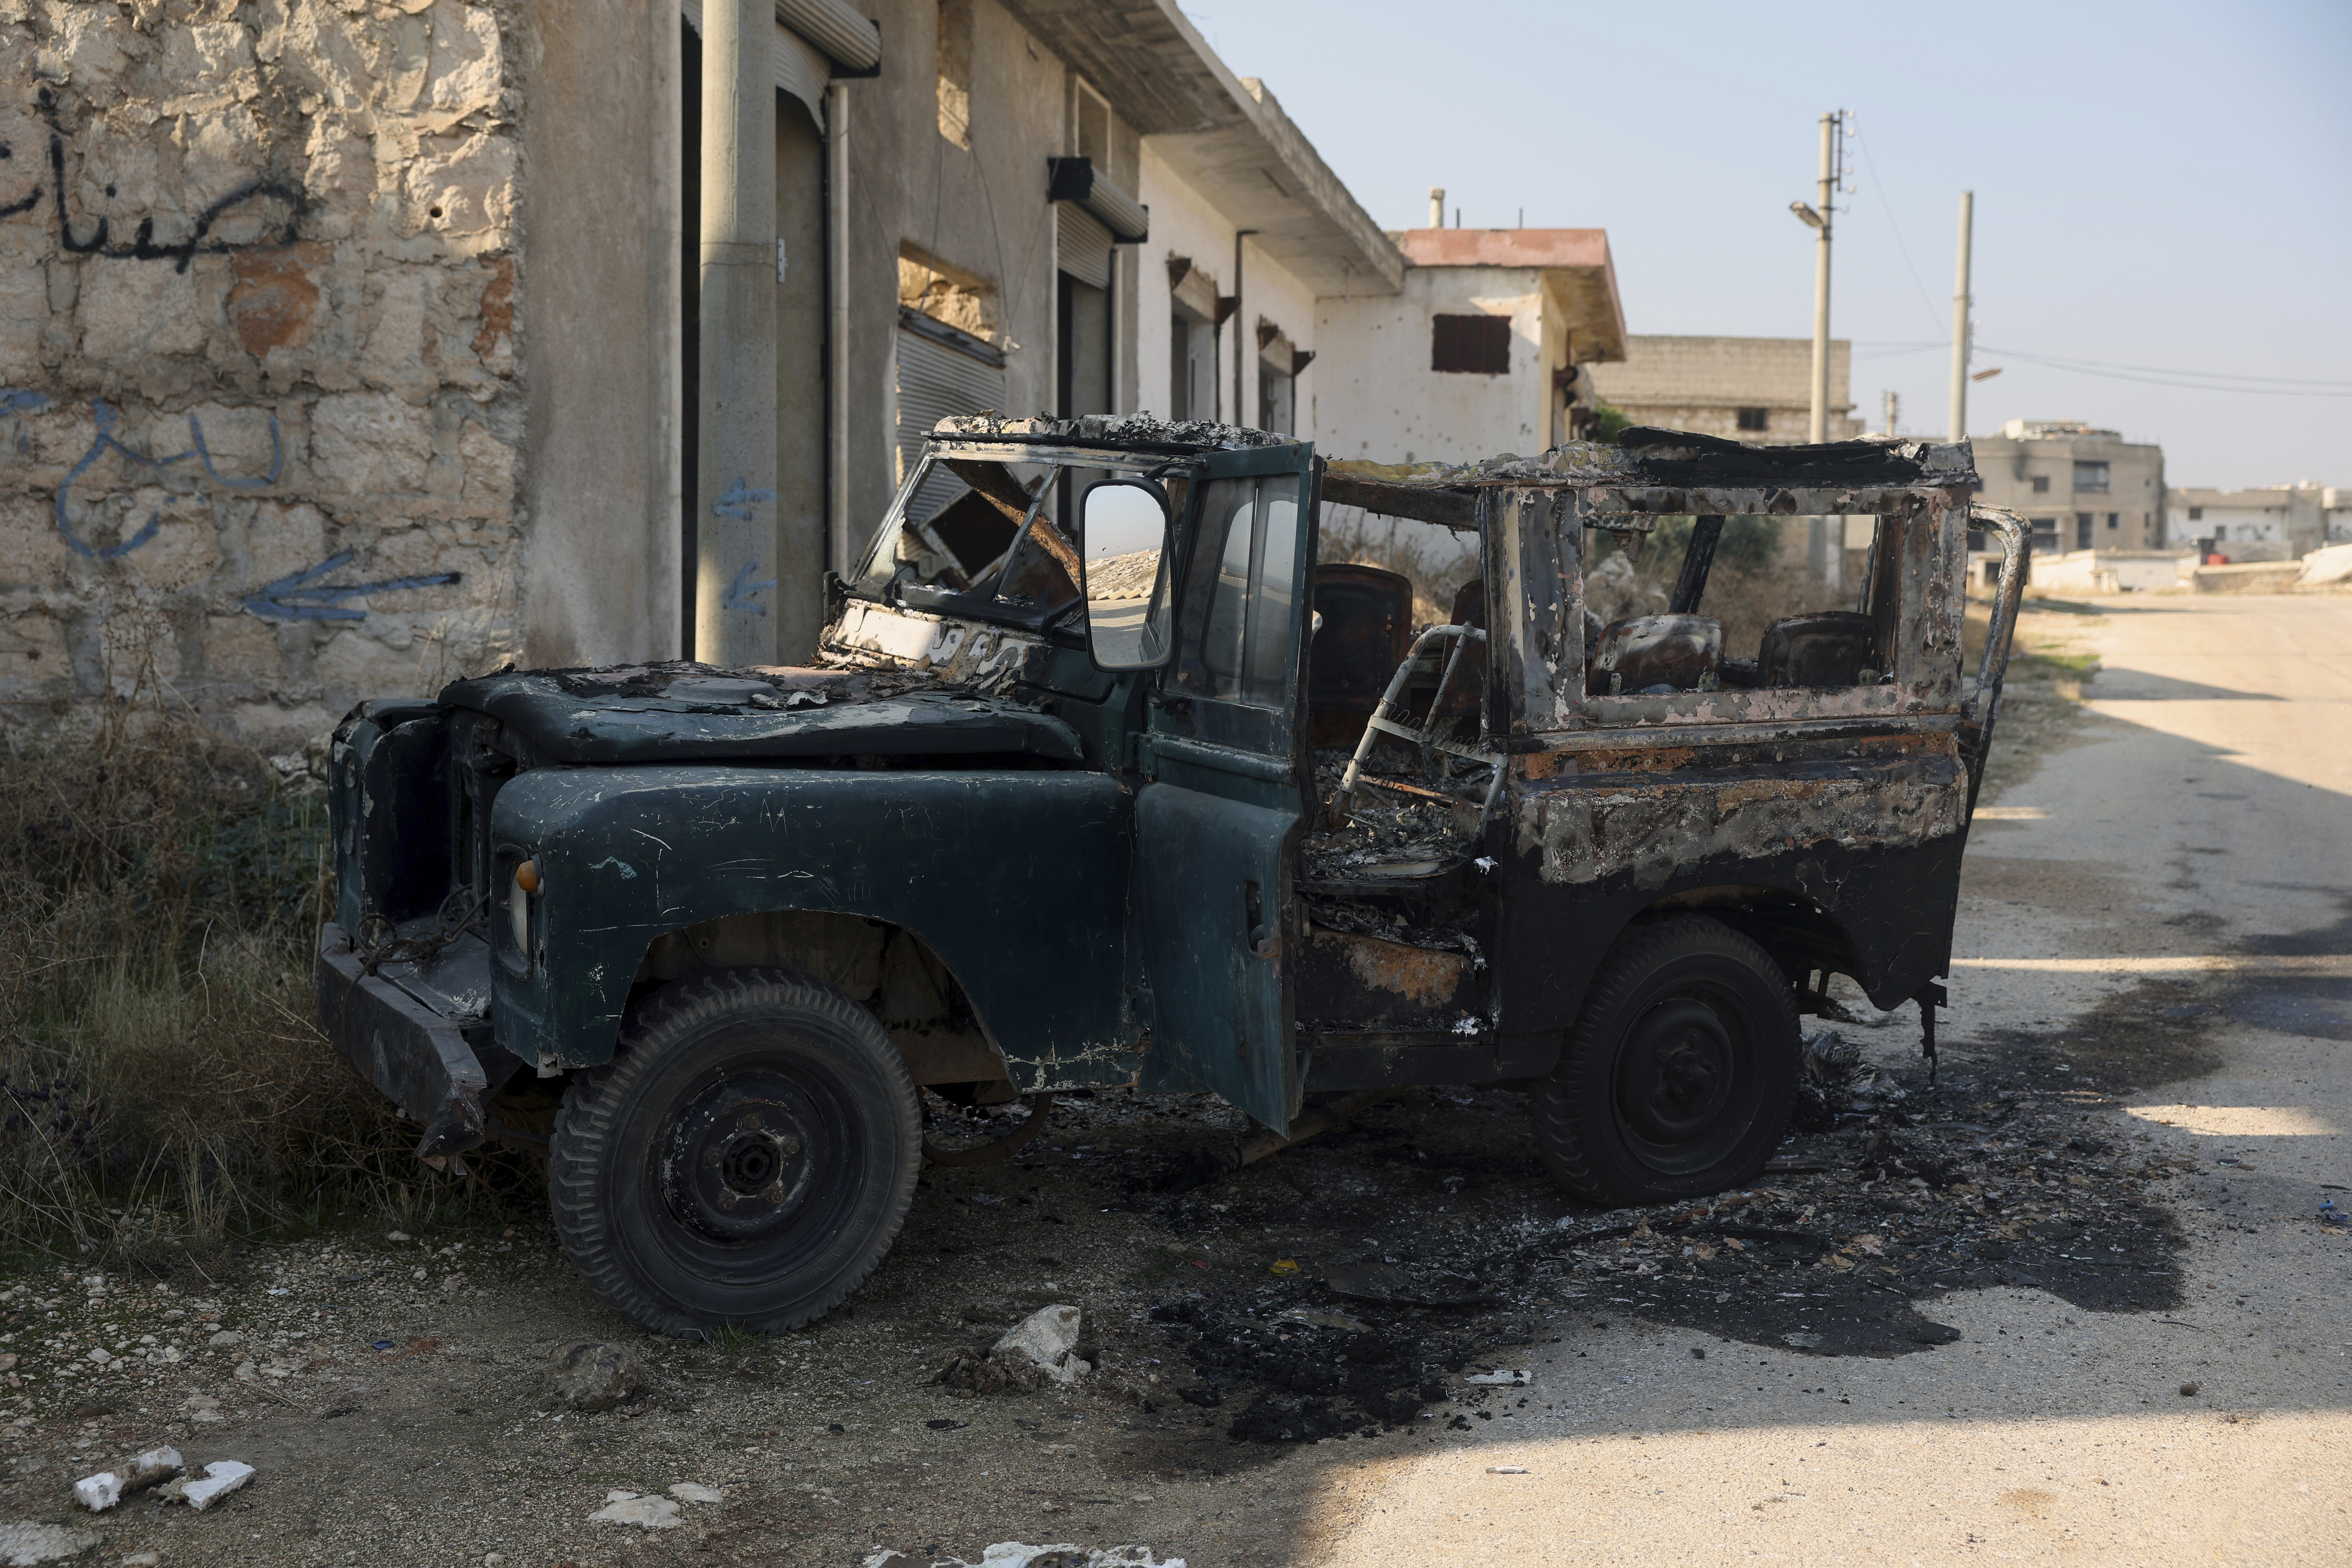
{"x": 346, "y": 347}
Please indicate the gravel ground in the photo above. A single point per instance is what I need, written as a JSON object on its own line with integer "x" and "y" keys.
{"x": 1932, "y": 1309}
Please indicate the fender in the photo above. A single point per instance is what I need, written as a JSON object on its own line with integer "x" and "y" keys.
{"x": 625, "y": 855}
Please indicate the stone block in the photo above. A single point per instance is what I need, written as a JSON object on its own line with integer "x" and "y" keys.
{"x": 195, "y": 53}
{"x": 490, "y": 472}
{"x": 461, "y": 186}
{"x": 24, "y": 311}
{"x": 285, "y": 539}
{"x": 370, "y": 444}
{"x": 32, "y": 654}
{"x": 88, "y": 44}
{"x": 464, "y": 75}
{"x": 132, "y": 310}
{"x": 241, "y": 650}
{"x": 32, "y": 557}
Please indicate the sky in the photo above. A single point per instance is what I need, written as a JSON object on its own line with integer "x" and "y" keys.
{"x": 2165, "y": 190}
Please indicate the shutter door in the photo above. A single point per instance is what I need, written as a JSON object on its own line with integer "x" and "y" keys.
{"x": 801, "y": 68}
{"x": 1083, "y": 245}
{"x": 937, "y": 379}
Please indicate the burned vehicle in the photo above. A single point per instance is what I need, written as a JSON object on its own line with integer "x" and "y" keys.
{"x": 1101, "y": 779}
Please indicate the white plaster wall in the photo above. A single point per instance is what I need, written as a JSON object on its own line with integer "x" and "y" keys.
{"x": 1269, "y": 291}
{"x": 1378, "y": 398}
{"x": 1182, "y": 223}
{"x": 1186, "y": 223}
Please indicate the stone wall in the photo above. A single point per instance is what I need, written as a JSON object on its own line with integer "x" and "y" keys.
{"x": 260, "y": 419}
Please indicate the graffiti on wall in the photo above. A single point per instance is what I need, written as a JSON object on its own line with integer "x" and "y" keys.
{"x": 301, "y": 596}
{"x": 280, "y": 205}
{"x": 297, "y": 597}
{"x": 107, "y": 420}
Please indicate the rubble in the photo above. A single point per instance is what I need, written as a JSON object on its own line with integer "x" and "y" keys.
{"x": 221, "y": 1478}
{"x": 1015, "y": 1554}
{"x": 591, "y": 1375}
{"x": 1039, "y": 1350}
{"x": 26, "y": 1543}
{"x": 631, "y": 1507}
{"x": 107, "y": 1488}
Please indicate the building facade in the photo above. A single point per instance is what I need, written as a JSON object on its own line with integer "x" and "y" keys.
{"x": 2269, "y": 522}
{"x": 347, "y": 346}
{"x": 2081, "y": 487}
{"x": 1486, "y": 347}
{"x": 1742, "y": 389}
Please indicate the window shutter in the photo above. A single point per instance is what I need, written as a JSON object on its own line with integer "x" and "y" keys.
{"x": 1084, "y": 245}
{"x": 938, "y": 378}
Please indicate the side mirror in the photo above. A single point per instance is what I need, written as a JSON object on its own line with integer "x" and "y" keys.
{"x": 1125, "y": 531}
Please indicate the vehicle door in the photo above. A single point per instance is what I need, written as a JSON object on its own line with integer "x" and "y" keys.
{"x": 1219, "y": 811}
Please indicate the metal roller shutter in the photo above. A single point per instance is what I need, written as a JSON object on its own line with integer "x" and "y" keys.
{"x": 1083, "y": 245}
{"x": 937, "y": 378}
{"x": 801, "y": 68}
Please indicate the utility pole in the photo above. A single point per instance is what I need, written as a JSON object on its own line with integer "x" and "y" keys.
{"x": 1833, "y": 145}
{"x": 1825, "y": 555}
{"x": 1961, "y": 325}
{"x": 735, "y": 568}
{"x": 1894, "y": 411}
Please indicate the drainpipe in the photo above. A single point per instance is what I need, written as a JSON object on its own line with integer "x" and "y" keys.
{"x": 735, "y": 568}
{"x": 1240, "y": 316}
{"x": 836, "y": 121}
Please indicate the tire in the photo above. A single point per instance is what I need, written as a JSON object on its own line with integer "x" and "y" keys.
{"x": 1678, "y": 1078}
{"x": 746, "y": 1159}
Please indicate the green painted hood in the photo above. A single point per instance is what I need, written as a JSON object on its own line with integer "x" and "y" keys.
{"x": 685, "y": 712}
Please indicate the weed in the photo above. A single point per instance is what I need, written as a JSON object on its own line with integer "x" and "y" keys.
{"x": 162, "y": 1085}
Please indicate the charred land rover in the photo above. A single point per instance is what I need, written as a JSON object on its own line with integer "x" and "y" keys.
{"x": 1101, "y": 779}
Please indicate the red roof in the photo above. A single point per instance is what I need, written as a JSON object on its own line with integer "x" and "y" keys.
{"x": 1506, "y": 247}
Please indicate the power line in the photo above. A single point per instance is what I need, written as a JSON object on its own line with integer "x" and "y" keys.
{"x": 2186, "y": 380}
{"x": 1878, "y": 188}
{"x": 2069, "y": 362}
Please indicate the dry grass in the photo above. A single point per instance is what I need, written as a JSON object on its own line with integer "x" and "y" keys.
{"x": 161, "y": 1082}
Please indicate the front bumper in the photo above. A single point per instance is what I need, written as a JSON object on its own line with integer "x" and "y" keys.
{"x": 418, "y": 1057}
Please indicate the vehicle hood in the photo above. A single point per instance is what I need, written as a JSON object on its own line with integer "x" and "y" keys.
{"x": 688, "y": 713}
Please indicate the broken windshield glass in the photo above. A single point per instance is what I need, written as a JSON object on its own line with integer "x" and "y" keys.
{"x": 982, "y": 537}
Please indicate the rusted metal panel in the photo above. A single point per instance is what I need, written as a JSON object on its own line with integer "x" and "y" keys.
{"x": 1649, "y": 825}
{"x": 1356, "y": 982}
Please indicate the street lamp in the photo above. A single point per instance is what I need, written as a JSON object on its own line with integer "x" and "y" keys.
{"x": 1804, "y": 211}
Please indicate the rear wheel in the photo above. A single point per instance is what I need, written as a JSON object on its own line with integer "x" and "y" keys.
{"x": 1677, "y": 1077}
{"x": 747, "y": 1158}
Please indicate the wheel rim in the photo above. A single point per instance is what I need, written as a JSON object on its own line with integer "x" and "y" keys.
{"x": 1683, "y": 1075}
{"x": 751, "y": 1168}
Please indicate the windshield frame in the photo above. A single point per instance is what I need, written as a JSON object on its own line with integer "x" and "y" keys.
{"x": 879, "y": 580}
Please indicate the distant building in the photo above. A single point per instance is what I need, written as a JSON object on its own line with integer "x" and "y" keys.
{"x": 1744, "y": 389}
{"x": 2269, "y": 522}
{"x": 1485, "y": 349}
{"x": 2081, "y": 487}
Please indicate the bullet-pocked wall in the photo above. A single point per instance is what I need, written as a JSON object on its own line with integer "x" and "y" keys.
{"x": 289, "y": 412}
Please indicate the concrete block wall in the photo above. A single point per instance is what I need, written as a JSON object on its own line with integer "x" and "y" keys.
{"x": 1700, "y": 383}
{"x": 261, "y": 413}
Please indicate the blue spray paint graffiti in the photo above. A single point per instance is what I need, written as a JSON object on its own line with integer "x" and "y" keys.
{"x": 738, "y": 593}
{"x": 739, "y": 501}
{"x": 301, "y": 596}
{"x": 15, "y": 401}
{"x": 104, "y": 417}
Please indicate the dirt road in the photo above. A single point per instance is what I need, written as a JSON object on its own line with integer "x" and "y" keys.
{"x": 2192, "y": 841}
{"x": 1952, "y": 1322}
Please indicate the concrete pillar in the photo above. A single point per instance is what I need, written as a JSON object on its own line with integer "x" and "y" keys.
{"x": 736, "y": 557}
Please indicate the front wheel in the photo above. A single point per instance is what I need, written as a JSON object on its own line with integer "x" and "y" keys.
{"x": 747, "y": 1158}
{"x": 1677, "y": 1077}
